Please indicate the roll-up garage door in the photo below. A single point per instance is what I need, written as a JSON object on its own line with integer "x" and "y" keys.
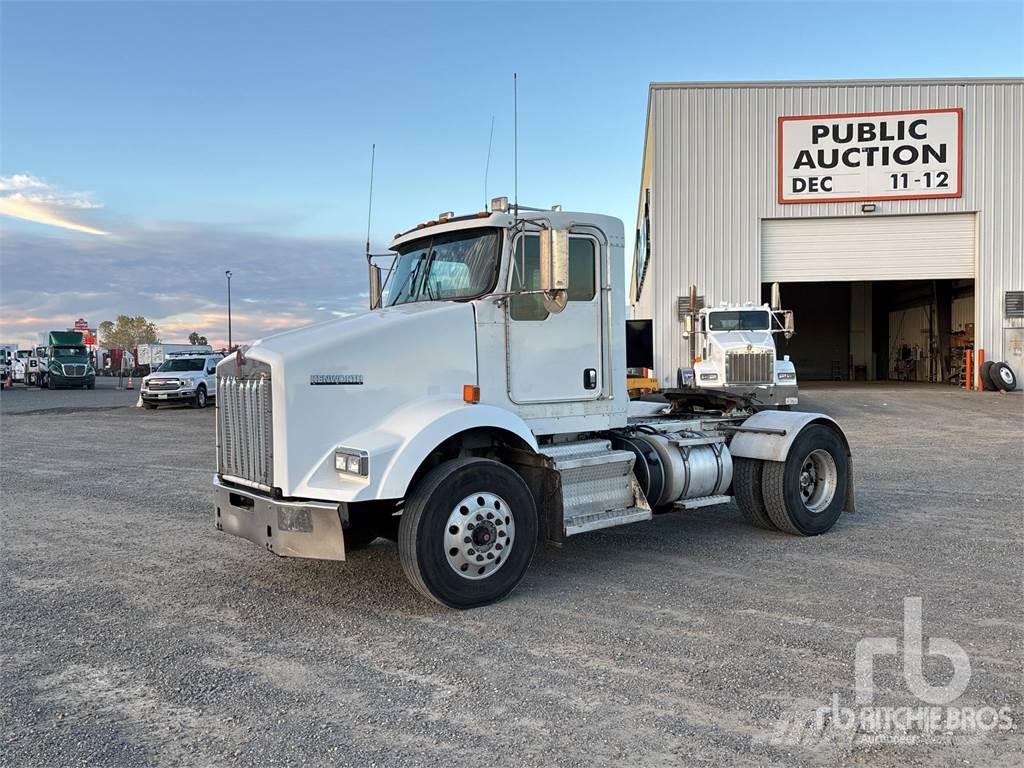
{"x": 868, "y": 248}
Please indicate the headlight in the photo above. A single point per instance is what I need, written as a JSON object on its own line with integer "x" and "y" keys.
{"x": 352, "y": 462}
{"x": 709, "y": 377}
{"x": 787, "y": 376}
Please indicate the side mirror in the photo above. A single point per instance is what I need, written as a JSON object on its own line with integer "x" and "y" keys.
{"x": 776, "y": 297}
{"x": 375, "y": 286}
{"x": 788, "y": 326}
{"x": 554, "y": 268}
{"x": 687, "y": 326}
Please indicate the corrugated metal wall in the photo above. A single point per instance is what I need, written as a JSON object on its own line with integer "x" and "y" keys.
{"x": 963, "y": 313}
{"x": 711, "y": 152}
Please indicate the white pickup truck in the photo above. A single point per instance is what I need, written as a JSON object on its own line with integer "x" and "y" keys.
{"x": 481, "y": 407}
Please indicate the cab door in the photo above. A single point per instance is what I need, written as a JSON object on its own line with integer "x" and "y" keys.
{"x": 210, "y": 376}
{"x": 555, "y": 357}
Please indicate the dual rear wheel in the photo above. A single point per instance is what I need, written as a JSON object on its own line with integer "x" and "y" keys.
{"x": 803, "y": 495}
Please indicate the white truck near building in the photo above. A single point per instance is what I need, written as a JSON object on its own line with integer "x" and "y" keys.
{"x": 481, "y": 406}
{"x": 734, "y": 351}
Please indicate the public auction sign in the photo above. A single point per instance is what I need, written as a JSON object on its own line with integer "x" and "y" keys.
{"x": 871, "y": 156}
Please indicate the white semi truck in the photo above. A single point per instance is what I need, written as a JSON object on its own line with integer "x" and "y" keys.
{"x": 481, "y": 406}
{"x": 733, "y": 348}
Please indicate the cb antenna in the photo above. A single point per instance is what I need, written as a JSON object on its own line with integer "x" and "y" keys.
{"x": 487, "y": 165}
{"x": 515, "y": 140}
{"x": 369, "y": 207}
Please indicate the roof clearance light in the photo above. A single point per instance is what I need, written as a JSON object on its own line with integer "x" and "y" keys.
{"x": 499, "y": 204}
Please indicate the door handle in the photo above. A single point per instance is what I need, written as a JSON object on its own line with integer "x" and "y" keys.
{"x": 590, "y": 378}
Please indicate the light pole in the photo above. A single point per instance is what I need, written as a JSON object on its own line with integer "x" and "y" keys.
{"x": 227, "y": 274}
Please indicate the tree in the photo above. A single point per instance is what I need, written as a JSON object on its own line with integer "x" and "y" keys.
{"x": 195, "y": 339}
{"x": 127, "y": 333}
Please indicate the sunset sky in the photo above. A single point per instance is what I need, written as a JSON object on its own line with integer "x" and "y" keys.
{"x": 147, "y": 147}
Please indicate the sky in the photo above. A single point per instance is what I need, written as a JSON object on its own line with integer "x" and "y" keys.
{"x": 147, "y": 147}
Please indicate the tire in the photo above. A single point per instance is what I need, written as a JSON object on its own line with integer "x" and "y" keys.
{"x": 746, "y": 487}
{"x": 1002, "y": 377}
{"x": 985, "y": 374}
{"x": 784, "y": 500}
{"x": 441, "y": 512}
{"x": 91, "y": 385}
{"x": 199, "y": 401}
{"x": 150, "y": 406}
{"x": 50, "y": 384}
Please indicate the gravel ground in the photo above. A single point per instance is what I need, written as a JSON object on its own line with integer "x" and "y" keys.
{"x": 135, "y": 634}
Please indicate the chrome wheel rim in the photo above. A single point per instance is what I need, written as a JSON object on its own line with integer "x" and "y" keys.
{"x": 818, "y": 480}
{"x": 201, "y": 395}
{"x": 479, "y": 535}
{"x": 1005, "y": 375}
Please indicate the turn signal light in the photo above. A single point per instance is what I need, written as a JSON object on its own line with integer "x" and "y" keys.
{"x": 471, "y": 393}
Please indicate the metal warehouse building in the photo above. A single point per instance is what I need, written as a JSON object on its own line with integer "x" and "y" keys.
{"x": 890, "y": 212}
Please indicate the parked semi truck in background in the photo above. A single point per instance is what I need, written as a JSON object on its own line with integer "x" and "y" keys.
{"x": 67, "y": 362}
{"x": 481, "y": 406}
{"x": 733, "y": 348}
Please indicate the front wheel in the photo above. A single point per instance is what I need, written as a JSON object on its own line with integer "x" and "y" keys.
{"x": 806, "y": 493}
{"x": 468, "y": 533}
{"x": 200, "y": 398}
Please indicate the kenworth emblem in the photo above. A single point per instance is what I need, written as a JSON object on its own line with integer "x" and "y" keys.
{"x": 335, "y": 378}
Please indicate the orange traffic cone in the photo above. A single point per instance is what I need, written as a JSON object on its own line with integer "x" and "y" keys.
{"x": 131, "y": 385}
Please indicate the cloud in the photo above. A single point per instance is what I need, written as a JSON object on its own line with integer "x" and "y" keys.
{"x": 174, "y": 275}
{"x": 27, "y": 197}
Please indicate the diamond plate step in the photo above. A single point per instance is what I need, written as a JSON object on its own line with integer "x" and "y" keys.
{"x": 598, "y": 486}
{"x": 597, "y": 520}
{"x": 702, "y": 501}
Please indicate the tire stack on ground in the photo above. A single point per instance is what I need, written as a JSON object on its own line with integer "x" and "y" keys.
{"x": 997, "y": 377}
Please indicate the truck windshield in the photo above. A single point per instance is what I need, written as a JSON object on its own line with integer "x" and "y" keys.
{"x": 742, "y": 320}
{"x": 451, "y": 266}
{"x": 68, "y": 352}
{"x": 186, "y": 364}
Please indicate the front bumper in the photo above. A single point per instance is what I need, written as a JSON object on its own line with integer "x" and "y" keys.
{"x": 287, "y": 528}
{"x": 60, "y": 380}
{"x": 162, "y": 396}
{"x": 768, "y": 394}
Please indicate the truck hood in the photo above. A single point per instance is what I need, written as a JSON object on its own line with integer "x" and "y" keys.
{"x": 336, "y": 379}
{"x": 738, "y": 340}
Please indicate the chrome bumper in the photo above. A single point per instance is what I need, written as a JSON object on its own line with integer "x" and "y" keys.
{"x": 286, "y": 528}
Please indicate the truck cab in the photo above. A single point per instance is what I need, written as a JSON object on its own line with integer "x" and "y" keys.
{"x": 67, "y": 362}
{"x": 481, "y": 407}
{"x": 735, "y": 351}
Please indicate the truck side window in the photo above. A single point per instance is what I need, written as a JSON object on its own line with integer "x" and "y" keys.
{"x": 526, "y": 276}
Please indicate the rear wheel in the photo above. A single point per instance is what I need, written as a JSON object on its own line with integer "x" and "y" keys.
{"x": 747, "y": 479}
{"x": 805, "y": 493}
{"x": 468, "y": 533}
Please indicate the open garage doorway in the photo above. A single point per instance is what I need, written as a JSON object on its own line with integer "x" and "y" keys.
{"x": 886, "y": 330}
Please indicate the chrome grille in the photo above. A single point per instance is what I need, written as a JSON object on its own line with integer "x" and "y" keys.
{"x": 162, "y": 384}
{"x": 73, "y": 369}
{"x": 755, "y": 367}
{"x": 244, "y": 427}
